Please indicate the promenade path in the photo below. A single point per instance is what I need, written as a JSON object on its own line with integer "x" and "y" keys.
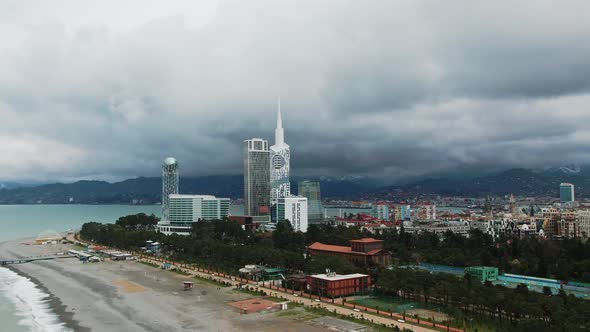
{"x": 337, "y": 306}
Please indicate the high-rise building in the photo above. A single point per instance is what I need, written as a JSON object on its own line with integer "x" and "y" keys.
{"x": 184, "y": 210}
{"x": 406, "y": 212}
{"x": 280, "y": 156}
{"x": 294, "y": 209}
{"x": 566, "y": 193}
{"x": 382, "y": 211}
{"x": 311, "y": 191}
{"x": 170, "y": 183}
{"x": 583, "y": 221}
{"x": 256, "y": 177}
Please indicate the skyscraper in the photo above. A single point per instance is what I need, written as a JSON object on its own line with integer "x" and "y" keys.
{"x": 311, "y": 190}
{"x": 256, "y": 177}
{"x": 566, "y": 193}
{"x": 280, "y": 156}
{"x": 170, "y": 183}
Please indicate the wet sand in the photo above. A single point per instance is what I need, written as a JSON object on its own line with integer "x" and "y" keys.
{"x": 130, "y": 296}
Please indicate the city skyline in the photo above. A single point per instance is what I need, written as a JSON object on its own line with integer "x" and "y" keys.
{"x": 446, "y": 93}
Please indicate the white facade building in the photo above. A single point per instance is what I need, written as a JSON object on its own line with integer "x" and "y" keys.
{"x": 294, "y": 209}
{"x": 583, "y": 220}
{"x": 184, "y": 210}
{"x": 280, "y": 157}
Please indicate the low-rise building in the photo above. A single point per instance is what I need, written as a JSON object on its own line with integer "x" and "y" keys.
{"x": 440, "y": 228}
{"x": 363, "y": 251}
{"x": 334, "y": 285}
{"x": 482, "y": 273}
{"x": 250, "y": 222}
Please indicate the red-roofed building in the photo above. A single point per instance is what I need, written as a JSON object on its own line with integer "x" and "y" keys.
{"x": 363, "y": 251}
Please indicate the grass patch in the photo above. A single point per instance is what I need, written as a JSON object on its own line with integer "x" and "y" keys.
{"x": 324, "y": 312}
{"x": 177, "y": 271}
{"x": 149, "y": 264}
{"x": 298, "y": 313}
{"x": 260, "y": 293}
{"x": 212, "y": 281}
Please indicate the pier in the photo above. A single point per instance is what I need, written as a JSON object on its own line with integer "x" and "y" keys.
{"x": 23, "y": 260}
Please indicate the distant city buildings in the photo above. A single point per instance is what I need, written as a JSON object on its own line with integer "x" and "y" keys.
{"x": 382, "y": 211}
{"x": 170, "y": 183}
{"x": 185, "y": 210}
{"x": 311, "y": 190}
{"x": 256, "y": 177}
{"x": 405, "y": 212}
{"x": 566, "y": 193}
{"x": 583, "y": 221}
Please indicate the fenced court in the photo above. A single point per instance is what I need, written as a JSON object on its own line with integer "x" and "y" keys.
{"x": 411, "y": 308}
{"x": 459, "y": 271}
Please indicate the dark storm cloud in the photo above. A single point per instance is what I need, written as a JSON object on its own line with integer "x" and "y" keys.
{"x": 380, "y": 88}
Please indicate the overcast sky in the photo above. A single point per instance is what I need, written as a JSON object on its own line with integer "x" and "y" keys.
{"x": 107, "y": 89}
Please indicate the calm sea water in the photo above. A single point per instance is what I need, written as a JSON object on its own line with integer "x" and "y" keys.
{"x": 22, "y": 305}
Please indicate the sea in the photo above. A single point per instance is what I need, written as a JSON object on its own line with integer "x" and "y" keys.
{"x": 23, "y": 306}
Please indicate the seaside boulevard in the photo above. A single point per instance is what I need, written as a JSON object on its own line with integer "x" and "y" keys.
{"x": 308, "y": 300}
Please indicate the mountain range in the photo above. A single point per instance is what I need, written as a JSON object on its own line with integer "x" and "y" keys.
{"x": 147, "y": 190}
{"x": 518, "y": 181}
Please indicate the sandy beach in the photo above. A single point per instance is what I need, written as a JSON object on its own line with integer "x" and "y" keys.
{"x": 130, "y": 296}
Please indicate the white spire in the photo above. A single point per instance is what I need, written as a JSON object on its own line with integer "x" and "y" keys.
{"x": 279, "y": 132}
{"x": 279, "y": 120}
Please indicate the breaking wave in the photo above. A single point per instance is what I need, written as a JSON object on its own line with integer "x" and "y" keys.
{"x": 32, "y": 307}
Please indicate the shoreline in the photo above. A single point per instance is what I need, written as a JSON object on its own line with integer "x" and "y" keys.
{"x": 54, "y": 303}
{"x": 128, "y": 296}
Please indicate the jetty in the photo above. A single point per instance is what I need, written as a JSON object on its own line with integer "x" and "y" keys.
{"x": 23, "y": 260}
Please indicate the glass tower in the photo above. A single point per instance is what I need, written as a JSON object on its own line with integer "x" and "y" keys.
{"x": 311, "y": 190}
{"x": 170, "y": 184}
{"x": 566, "y": 193}
{"x": 256, "y": 177}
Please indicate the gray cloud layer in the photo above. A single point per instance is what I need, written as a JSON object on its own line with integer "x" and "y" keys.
{"x": 381, "y": 88}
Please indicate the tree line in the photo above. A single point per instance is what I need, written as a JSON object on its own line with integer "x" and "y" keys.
{"x": 507, "y": 309}
{"x": 225, "y": 246}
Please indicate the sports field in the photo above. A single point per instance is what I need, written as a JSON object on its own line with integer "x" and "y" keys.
{"x": 410, "y": 308}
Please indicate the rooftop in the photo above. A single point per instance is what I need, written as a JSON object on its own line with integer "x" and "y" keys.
{"x": 366, "y": 240}
{"x": 205, "y": 197}
{"x": 170, "y": 161}
{"x": 330, "y": 247}
{"x": 335, "y": 277}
